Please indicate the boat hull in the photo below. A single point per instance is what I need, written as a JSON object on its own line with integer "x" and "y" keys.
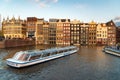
{"x": 112, "y": 51}
{"x": 37, "y": 61}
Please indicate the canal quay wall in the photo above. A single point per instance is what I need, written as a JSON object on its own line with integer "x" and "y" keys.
{"x": 16, "y": 43}
{"x": 2, "y": 45}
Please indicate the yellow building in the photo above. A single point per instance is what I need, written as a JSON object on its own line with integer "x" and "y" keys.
{"x": 92, "y": 33}
{"x": 63, "y": 32}
{"x": 45, "y": 32}
{"x": 14, "y": 28}
{"x": 39, "y": 31}
{"x": 101, "y": 34}
{"x": 59, "y": 32}
{"x": 84, "y": 34}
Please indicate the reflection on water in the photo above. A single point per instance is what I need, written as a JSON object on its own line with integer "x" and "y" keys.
{"x": 90, "y": 63}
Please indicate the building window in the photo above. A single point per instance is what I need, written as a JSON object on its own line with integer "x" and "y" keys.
{"x": 111, "y": 23}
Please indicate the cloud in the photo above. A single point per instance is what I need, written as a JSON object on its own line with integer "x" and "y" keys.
{"x": 55, "y": 1}
{"x": 117, "y": 18}
{"x": 45, "y": 3}
{"x": 41, "y": 3}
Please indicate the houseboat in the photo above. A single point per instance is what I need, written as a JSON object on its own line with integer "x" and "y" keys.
{"x": 112, "y": 50}
{"x": 31, "y": 57}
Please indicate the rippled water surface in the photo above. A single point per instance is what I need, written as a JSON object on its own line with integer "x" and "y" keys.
{"x": 89, "y": 63}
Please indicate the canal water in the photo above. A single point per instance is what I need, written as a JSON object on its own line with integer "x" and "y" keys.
{"x": 89, "y": 63}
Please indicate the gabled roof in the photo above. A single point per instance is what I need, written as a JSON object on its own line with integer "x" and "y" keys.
{"x": 111, "y": 23}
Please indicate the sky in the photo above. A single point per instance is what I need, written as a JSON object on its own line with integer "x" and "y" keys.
{"x": 83, "y": 10}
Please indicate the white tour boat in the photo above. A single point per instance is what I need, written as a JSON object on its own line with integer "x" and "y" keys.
{"x": 112, "y": 50}
{"x": 31, "y": 57}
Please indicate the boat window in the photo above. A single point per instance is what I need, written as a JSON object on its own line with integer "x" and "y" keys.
{"x": 35, "y": 57}
{"x": 65, "y": 50}
{"x": 69, "y": 49}
{"x": 46, "y": 54}
{"x": 61, "y": 51}
{"x": 21, "y": 56}
{"x": 54, "y": 53}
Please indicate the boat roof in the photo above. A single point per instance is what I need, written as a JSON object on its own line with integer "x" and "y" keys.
{"x": 51, "y": 50}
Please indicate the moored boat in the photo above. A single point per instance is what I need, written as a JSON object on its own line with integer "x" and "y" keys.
{"x": 112, "y": 50}
{"x": 31, "y": 57}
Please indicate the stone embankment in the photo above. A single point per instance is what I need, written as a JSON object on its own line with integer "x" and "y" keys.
{"x": 15, "y": 43}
